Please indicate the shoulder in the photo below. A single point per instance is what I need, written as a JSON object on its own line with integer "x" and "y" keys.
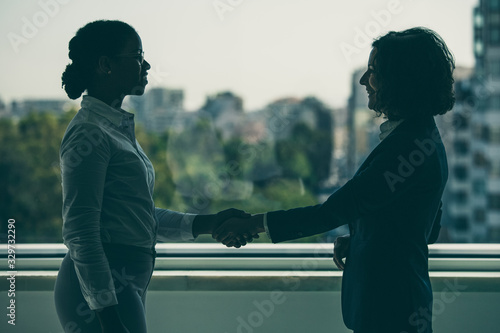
{"x": 83, "y": 131}
{"x": 417, "y": 149}
{"x": 413, "y": 134}
{"x": 414, "y": 145}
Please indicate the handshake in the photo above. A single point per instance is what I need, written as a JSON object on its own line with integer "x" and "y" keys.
{"x": 231, "y": 227}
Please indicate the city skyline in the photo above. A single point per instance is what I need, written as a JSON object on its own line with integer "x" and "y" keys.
{"x": 260, "y": 51}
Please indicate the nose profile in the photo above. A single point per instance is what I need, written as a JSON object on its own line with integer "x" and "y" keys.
{"x": 362, "y": 80}
{"x": 146, "y": 65}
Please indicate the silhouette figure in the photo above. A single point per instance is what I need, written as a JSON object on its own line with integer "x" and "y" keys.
{"x": 110, "y": 223}
{"x": 392, "y": 204}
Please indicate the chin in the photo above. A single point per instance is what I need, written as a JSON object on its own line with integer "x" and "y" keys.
{"x": 371, "y": 103}
{"x": 138, "y": 90}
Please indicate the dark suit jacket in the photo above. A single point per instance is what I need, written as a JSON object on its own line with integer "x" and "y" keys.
{"x": 393, "y": 208}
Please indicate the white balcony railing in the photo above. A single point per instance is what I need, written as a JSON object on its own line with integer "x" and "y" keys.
{"x": 222, "y": 286}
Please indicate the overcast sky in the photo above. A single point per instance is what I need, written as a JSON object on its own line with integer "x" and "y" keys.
{"x": 260, "y": 49}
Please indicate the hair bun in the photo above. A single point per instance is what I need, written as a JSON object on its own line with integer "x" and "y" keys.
{"x": 72, "y": 81}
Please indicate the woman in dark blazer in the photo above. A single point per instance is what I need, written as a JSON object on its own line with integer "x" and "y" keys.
{"x": 393, "y": 203}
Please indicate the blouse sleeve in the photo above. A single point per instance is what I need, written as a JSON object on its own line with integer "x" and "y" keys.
{"x": 174, "y": 226}
{"x": 85, "y": 155}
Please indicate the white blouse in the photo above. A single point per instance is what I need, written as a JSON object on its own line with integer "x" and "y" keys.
{"x": 107, "y": 182}
{"x": 387, "y": 127}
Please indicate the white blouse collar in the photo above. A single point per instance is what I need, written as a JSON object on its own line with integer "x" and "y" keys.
{"x": 387, "y": 127}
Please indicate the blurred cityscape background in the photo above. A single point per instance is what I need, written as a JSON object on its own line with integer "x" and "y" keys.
{"x": 295, "y": 151}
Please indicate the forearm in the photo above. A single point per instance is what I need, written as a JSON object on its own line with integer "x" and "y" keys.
{"x": 95, "y": 279}
{"x": 90, "y": 262}
{"x": 174, "y": 226}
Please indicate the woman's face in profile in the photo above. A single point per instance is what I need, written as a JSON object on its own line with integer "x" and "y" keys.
{"x": 369, "y": 80}
{"x": 130, "y": 68}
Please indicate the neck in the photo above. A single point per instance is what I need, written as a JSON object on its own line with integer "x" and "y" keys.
{"x": 110, "y": 99}
{"x": 103, "y": 90}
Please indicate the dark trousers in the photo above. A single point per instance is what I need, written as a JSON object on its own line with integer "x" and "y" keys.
{"x": 131, "y": 268}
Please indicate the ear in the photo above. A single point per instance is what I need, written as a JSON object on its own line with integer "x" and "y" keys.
{"x": 104, "y": 65}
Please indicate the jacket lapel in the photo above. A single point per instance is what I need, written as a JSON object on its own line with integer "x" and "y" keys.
{"x": 380, "y": 146}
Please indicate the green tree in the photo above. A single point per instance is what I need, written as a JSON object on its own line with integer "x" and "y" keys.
{"x": 30, "y": 175}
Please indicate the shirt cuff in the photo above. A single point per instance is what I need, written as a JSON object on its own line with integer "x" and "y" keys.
{"x": 101, "y": 300}
{"x": 266, "y": 227}
{"x": 187, "y": 227}
{"x": 174, "y": 226}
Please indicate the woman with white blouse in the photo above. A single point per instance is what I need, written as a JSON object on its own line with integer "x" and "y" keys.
{"x": 110, "y": 223}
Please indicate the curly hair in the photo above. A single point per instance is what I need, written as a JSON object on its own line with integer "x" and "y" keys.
{"x": 414, "y": 71}
{"x": 95, "y": 39}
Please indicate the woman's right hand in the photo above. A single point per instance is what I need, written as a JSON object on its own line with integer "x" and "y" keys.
{"x": 340, "y": 250}
{"x": 110, "y": 320}
{"x": 115, "y": 329}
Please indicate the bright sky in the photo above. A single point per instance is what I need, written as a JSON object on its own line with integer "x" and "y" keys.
{"x": 260, "y": 49}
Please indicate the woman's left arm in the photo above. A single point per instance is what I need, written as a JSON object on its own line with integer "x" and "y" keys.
{"x": 174, "y": 226}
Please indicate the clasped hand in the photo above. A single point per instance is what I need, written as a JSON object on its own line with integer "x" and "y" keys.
{"x": 237, "y": 231}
